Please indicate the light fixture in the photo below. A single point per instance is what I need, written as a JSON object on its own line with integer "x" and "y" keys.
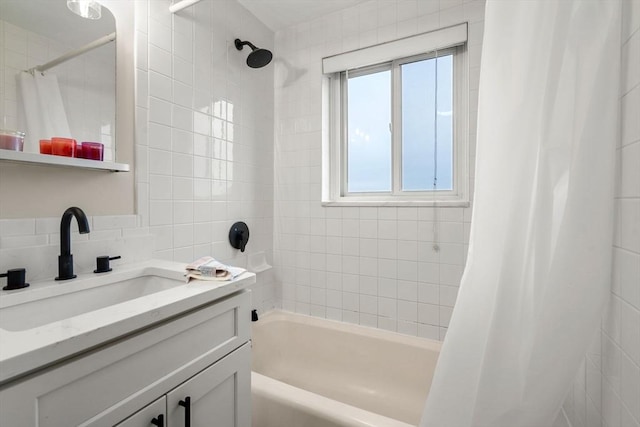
{"x": 89, "y": 9}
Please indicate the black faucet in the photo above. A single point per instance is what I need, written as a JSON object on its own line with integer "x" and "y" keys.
{"x": 65, "y": 259}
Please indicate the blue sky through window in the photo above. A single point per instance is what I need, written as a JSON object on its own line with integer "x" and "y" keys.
{"x": 418, "y": 136}
{"x": 369, "y": 136}
{"x": 369, "y": 148}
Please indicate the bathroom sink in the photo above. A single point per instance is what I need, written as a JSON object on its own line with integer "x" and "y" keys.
{"x": 52, "y": 320}
{"x": 45, "y": 309}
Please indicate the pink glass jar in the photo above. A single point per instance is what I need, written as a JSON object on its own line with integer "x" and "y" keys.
{"x": 92, "y": 151}
{"x": 11, "y": 140}
{"x": 63, "y": 147}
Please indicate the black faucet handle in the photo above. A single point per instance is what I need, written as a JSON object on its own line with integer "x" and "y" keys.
{"x": 102, "y": 263}
{"x": 15, "y": 279}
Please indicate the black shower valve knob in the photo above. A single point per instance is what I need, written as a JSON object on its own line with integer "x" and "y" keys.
{"x": 15, "y": 279}
{"x": 102, "y": 263}
{"x": 239, "y": 235}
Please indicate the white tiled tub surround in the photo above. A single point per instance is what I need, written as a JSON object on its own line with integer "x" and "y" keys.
{"x": 368, "y": 265}
{"x": 607, "y": 390}
{"x": 90, "y": 107}
{"x": 204, "y": 143}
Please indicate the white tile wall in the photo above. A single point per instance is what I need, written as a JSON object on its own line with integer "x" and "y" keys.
{"x": 205, "y": 124}
{"x": 90, "y": 106}
{"x": 367, "y": 265}
{"x": 607, "y": 390}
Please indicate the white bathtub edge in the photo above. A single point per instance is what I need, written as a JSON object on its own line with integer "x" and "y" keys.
{"x": 349, "y": 416}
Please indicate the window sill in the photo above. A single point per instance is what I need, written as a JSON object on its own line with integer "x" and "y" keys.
{"x": 399, "y": 203}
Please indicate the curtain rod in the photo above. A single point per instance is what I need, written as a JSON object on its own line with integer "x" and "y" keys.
{"x": 177, "y": 7}
{"x": 73, "y": 53}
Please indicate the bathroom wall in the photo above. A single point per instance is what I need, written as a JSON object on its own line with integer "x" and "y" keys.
{"x": 36, "y": 191}
{"x": 203, "y": 152}
{"x": 367, "y": 265}
{"x": 607, "y": 390}
{"x": 204, "y": 143}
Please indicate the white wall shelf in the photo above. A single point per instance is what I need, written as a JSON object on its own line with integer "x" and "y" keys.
{"x": 47, "y": 159}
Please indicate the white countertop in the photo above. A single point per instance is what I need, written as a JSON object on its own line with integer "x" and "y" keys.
{"x": 23, "y": 351}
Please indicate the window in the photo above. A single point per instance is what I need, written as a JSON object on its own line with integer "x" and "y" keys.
{"x": 397, "y": 129}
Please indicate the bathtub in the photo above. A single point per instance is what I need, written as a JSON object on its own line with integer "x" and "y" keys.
{"x": 310, "y": 372}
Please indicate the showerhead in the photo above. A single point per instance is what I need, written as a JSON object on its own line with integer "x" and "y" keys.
{"x": 258, "y": 57}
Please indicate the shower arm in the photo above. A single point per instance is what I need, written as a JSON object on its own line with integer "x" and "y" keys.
{"x": 241, "y": 44}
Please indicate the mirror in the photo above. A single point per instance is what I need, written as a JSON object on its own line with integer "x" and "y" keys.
{"x": 80, "y": 90}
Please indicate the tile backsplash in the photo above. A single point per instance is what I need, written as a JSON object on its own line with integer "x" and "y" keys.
{"x": 34, "y": 244}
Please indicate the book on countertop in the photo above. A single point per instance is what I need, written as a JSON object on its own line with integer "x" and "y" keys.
{"x": 208, "y": 268}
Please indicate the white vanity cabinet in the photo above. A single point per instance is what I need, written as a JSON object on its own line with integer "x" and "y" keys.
{"x": 153, "y": 414}
{"x": 217, "y": 393}
{"x": 202, "y": 355}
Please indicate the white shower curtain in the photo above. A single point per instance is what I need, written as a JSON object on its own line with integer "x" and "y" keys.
{"x": 538, "y": 270}
{"x": 42, "y": 114}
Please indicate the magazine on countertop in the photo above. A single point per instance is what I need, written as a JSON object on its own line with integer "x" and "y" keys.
{"x": 208, "y": 268}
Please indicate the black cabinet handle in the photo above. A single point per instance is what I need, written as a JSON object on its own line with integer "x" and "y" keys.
{"x": 187, "y": 410}
{"x": 159, "y": 421}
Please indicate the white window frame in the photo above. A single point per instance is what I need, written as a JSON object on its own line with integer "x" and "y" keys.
{"x": 334, "y": 134}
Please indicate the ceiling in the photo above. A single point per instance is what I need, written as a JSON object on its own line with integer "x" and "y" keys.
{"x": 280, "y": 14}
{"x": 53, "y": 20}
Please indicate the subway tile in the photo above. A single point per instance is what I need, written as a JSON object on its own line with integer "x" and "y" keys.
{"x": 159, "y": 33}
{"x": 387, "y": 249}
{"x": 182, "y": 118}
{"x": 159, "y": 136}
{"x": 407, "y": 310}
{"x": 408, "y": 327}
{"x": 183, "y": 235}
{"x": 159, "y": 60}
{"x": 160, "y": 86}
{"x": 11, "y": 242}
{"x": 429, "y": 314}
{"x": 428, "y": 331}
{"x": 368, "y": 304}
{"x": 450, "y": 274}
{"x": 159, "y": 111}
{"x": 17, "y": 227}
{"x": 183, "y": 71}
{"x": 182, "y": 188}
{"x": 387, "y": 324}
{"x": 110, "y": 222}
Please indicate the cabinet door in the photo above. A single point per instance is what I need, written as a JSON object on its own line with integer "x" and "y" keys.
{"x": 154, "y": 414}
{"x": 220, "y": 395}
